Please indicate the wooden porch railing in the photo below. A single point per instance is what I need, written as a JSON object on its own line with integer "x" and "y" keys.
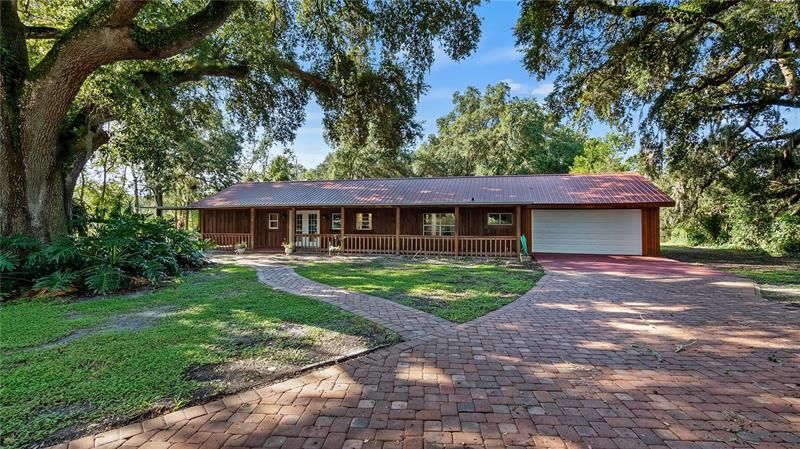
{"x": 505, "y": 246}
{"x": 429, "y": 245}
{"x": 316, "y": 243}
{"x": 229, "y": 240}
{"x": 369, "y": 244}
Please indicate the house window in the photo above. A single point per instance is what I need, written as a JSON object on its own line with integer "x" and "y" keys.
{"x": 500, "y": 219}
{"x": 439, "y": 224}
{"x": 364, "y": 222}
{"x": 273, "y": 221}
{"x": 336, "y": 221}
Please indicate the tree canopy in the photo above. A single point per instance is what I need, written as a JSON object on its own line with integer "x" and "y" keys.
{"x": 370, "y": 160}
{"x": 713, "y": 79}
{"x": 494, "y": 133}
{"x": 70, "y": 68}
{"x": 606, "y": 155}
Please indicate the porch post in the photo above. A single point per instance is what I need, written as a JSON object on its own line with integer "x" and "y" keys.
{"x": 252, "y": 228}
{"x": 291, "y": 225}
{"x": 458, "y": 224}
{"x": 341, "y": 228}
{"x": 519, "y": 230}
{"x": 397, "y": 230}
{"x": 200, "y": 221}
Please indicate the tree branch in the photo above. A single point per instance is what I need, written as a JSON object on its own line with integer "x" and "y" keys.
{"x": 237, "y": 71}
{"x": 319, "y": 84}
{"x": 724, "y": 75}
{"x": 42, "y": 32}
{"x": 124, "y": 12}
{"x": 234, "y": 71}
{"x": 172, "y": 40}
{"x": 14, "y": 56}
{"x": 784, "y": 136}
{"x": 790, "y": 78}
{"x": 770, "y": 101}
{"x": 91, "y": 27}
{"x": 641, "y": 10}
{"x": 654, "y": 10}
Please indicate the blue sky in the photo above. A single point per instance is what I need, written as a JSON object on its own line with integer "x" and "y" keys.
{"x": 496, "y": 59}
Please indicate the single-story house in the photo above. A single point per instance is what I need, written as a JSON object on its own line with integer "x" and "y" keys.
{"x": 458, "y": 216}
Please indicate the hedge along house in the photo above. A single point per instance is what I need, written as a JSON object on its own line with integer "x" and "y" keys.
{"x": 453, "y": 216}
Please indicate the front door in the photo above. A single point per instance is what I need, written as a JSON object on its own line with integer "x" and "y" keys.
{"x": 306, "y": 227}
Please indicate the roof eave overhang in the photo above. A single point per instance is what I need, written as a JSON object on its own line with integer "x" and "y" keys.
{"x": 531, "y": 205}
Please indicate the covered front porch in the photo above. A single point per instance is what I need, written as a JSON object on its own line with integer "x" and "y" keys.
{"x": 435, "y": 231}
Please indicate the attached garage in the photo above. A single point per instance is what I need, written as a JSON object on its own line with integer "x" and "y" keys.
{"x": 592, "y": 231}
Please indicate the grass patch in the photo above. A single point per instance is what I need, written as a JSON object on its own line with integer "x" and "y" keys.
{"x": 136, "y": 355}
{"x": 454, "y": 290}
{"x": 779, "y": 277}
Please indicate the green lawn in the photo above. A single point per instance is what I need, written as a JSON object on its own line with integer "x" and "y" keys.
{"x": 65, "y": 364}
{"x": 779, "y": 277}
{"x": 454, "y": 290}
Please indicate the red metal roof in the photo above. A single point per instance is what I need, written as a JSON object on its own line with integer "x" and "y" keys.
{"x": 621, "y": 189}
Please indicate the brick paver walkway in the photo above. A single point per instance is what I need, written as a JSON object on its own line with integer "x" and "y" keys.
{"x": 631, "y": 355}
{"x": 408, "y": 322}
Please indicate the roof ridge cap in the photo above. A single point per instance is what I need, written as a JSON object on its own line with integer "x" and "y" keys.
{"x": 406, "y": 178}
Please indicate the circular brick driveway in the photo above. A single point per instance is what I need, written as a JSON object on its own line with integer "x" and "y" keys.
{"x": 605, "y": 352}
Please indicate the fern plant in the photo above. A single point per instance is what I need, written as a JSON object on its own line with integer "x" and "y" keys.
{"x": 154, "y": 271}
{"x": 100, "y": 259}
{"x": 60, "y": 251}
{"x": 104, "y": 279}
{"x": 8, "y": 261}
{"x": 56, "y": 283}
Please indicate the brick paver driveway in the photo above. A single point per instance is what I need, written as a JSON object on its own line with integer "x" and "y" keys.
{"x": 604, "y": 353}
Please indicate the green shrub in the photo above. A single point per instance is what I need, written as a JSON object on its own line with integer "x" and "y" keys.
{"x": 784, "y": 235}
{"x": 110, "y": 255}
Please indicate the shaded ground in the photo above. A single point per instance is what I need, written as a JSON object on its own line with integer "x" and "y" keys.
{"x": 456, "y": 290}
{"x": 605, "y": 353}
{"x": 777, "y": 277}
{"x": 71, "y": 367}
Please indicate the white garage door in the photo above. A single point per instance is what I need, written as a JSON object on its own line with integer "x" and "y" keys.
{"x": 588, "y": 231}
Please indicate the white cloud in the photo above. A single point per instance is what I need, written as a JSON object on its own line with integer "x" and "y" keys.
{"x": 516, "y": 88}
{"x": 542, "y": 90}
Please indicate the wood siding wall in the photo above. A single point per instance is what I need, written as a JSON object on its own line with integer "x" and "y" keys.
{"x": 271, "y": 238}
{"x": 472, "y": 221}
{"x": 527, "y": 227}
{"x": 651, "y": 236}
{"x": 225, "y": 221}
{"x": 382, "y": 221}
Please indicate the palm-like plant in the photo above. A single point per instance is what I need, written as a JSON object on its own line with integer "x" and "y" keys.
{"x": 103, "y": 260}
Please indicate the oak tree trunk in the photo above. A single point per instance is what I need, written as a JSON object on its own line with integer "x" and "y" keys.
{"x": 36, "y": 179}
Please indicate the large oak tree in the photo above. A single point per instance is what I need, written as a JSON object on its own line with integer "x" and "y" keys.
{"x": 712, "y": 83}
{"x": 68, "y": 68}
{"x": 495, "y": 133}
